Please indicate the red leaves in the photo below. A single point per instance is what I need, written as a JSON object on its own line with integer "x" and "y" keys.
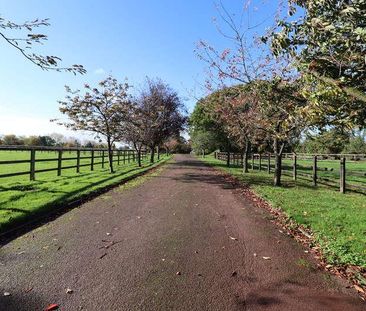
{"x": 51, "y": 307}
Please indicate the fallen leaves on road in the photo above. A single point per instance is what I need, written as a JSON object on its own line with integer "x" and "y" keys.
{"x": 105, "y": 254}
{"x": 7, "y": 294}
{"x": 359, "y": 289}
{"x": 29, "y": 289}
{"x": 51, "y": 307}
{"x": 69, "y": 291}
{"x": 266, "y": 258}
{"x": 178, "y": 273}
{"x": 232, "y": 238}
{"x": 234, "y": 273}
{"x": 108, "y": 233}
{"x": 109, "y": 244}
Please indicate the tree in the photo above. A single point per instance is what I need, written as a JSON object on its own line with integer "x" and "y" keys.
{"x": 327, "y": 42}
{"x": 46, "y": 141}
{"x": 331, "y": 141}
{"x": 136, "y": 132}
{"x": 278, "y": 106}
{"x": 206, "y": 127}
{"x": 249, "y": 61}
{"x": 23, "y": 43}
{"x": 58, "y": 138}
{"x": 12, "y": 140}
{"x": 203, "y": 142}
{"x": 32, "y": 141}
{"x": 162, "y": 113}
{"x": 102, "y": 111}
{"x": 178, "y": 145}
{"x": 356, "y": 144}
{"x": 232, "y": 107}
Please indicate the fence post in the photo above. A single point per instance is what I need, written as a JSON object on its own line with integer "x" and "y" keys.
{"x": 215, "y": 155}
{"x": 133, "y": 156}
{"x": 315, "y": 164}
{"x": 92, "y": 161}
{"x": 118, "y": 153}
{"x": 342, "y": 176}
{"x": 124, "y": 156}
{"x": 269, "y": 163}
{"x": 260, "y": 161}
{"x": 59, "y": 163}
{"x": 78, "y": 161}
{"x": 32, "y": 164}
{"x": 253, "y": 161}
{"x": 103, "y": 159}
{"x": 295, "y": 167}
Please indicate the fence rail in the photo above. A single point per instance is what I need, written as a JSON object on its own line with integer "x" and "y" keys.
{"x": 344, "y": 171}
{"x": 75, "y": 155}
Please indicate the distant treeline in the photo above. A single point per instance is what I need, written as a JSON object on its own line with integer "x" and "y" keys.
{"x": 52, "y": 140}
{"x": 333, "y": 141}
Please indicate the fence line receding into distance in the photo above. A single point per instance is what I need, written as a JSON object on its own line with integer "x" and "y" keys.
{"x": 75, "y": 158}
{"x": 343, "y": 171}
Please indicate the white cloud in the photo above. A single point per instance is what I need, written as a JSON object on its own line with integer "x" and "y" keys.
{"x": 99, "y": 71}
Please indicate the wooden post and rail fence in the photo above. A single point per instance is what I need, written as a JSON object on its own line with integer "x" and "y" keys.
{"x": 89, "y": 156}
{"x": 333, "y": 177}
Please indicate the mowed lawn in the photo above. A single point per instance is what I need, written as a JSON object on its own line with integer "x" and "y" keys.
{"x": 337, "y": 220}
{"x": 22, "y": 200}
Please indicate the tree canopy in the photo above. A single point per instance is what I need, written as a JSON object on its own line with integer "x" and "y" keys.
{"x": 101, "y": 110}
{"x": 327, "y": 43}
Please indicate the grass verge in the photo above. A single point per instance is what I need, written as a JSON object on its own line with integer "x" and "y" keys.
{"x": 22, "y": 201}
{"x": 338, "y": 221}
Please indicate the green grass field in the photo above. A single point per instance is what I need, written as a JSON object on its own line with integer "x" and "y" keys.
{"x": 22, "y": 200}
{"x": 337, "y": 220}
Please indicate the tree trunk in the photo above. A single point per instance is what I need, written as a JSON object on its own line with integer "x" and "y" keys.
{"x": 152, "y": 155}
{"x": 246, "y": 157}
{"x": 138, "y": 152}
{"x": 278, "y": 162}
{"x": 158, "y": 152}
{"x": 139, "y": 157}
{"x": 110, "y": 155}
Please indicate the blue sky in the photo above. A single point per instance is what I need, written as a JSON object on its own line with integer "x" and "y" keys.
{"x": 125, "y": 38}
